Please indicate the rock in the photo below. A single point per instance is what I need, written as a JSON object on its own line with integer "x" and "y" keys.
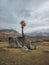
{"x": 32, "y": 47}
{"x": 46, "y": 50}
{"x": 19, "y": 45}
{"x": 24, "y": 48}
{"x": 4, "y": 49}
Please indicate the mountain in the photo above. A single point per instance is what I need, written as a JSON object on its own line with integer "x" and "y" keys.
{"x": 44, "y": 32}
{"x": 9, "y": 32}
{"x": 5, "y": 33}
{"x": 38, "y": 34}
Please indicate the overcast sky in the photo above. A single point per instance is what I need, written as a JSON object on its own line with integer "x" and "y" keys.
{"x": 34, "y": 12}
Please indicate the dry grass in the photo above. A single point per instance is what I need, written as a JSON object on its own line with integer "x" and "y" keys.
{"x": 15, "y": 56}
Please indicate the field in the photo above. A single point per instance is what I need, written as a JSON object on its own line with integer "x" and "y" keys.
{"x": 16, "y": 56}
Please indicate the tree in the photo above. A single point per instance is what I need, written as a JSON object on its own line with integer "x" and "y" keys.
{"x": 23, "y": 24}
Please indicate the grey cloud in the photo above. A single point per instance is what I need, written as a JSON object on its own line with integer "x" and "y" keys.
{"x": 12, "y": 11}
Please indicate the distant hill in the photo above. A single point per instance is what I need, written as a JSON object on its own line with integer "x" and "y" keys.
{"x": 5, "y": 33}
{"x": 39, "y": 34}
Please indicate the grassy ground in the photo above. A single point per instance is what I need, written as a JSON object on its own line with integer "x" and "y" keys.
{"x": 15, "y": 56}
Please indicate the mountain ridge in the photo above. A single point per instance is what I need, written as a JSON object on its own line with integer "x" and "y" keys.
{"x": 38, "y": 34}
{"x": 5, "y": 33}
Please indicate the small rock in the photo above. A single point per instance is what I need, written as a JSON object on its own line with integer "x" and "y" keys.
{"x": 4, "y": 49}
{"x": 46, "y": 50}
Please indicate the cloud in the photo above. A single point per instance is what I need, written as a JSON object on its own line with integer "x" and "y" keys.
{"x": 34, "y": 12}
{"x": 35, "y": 29}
